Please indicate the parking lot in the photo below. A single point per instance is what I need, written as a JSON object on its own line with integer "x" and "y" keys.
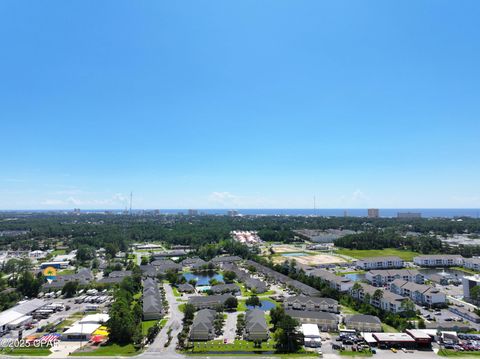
{"x": 70, "y": 308}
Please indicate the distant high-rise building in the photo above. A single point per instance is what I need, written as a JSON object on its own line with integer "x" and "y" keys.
{"x": 156, "y": 212}
{"x": 232, "y": 213}
{"x": 192, "y": 212}
{"x": 408, "y": 215}
{"x": 76, "y": 211}
{"x": 373, "y": 213}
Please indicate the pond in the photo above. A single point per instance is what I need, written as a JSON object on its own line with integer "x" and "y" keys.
{"x": 265, "y": 305}
{"x": 355, "y": 276}
{"x": 296, "y": 254}
{"x": 203, "y": 279}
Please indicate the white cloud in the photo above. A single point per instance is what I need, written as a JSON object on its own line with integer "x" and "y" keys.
{"x": 118, "y": 200}
{"x": 356, "y": 199}
{"x": 224, "y": 199}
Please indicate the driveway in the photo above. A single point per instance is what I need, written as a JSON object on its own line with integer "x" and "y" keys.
{"x": 230, "y": 327}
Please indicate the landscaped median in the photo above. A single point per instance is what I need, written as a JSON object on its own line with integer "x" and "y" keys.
{"x": 30, "y": 351}
{"x": 240, "y": 347}
{"x": 110, "y": 350}
{"x": 351, "y": 353}
{"x": 455, "y": 353}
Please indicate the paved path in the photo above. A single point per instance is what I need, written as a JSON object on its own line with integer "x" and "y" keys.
{"x": 230, "y": 328}
{"x": 174, "y": 322}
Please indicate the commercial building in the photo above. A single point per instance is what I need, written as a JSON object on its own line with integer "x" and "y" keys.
{"x": 20, "y": 313}
{"x": 438, "y": 260}
{"x": 380, "y": 263}
{"x": 397, "y": 340}
{"x": 85, "y": 328}
{"x": 256, "y": 328}
{"x": 325, "y": 321}
{"x": 422, "y": 339}
{"x": 419, "y": 293}
{"x": 315, "y": 304}
{"x": 373, "y": 213}
{"x": 381, "y": 277}
{"x": 57, "y": 265}
{"x": 363, "y": 323}
{"x": 311, "y": 335}
{"x": 465, "y": 313}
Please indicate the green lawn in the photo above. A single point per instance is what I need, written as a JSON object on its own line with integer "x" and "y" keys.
{"x": 453, "y": 353}
{"x": 355, "y": 354}
{"x": 242, "y": 307}
{"x": 66, "y": 272}
{"x": 181, "y": 307}
{"x": 147, "y": 325}
{"x": 469, "y": 271}
{"x": 109, "y": 350}
{"x": 176, "y": 293}
{"x": 66, "y": 323}
{"x": 163, "y": 322}
{"x": 365, "y": 253}
{"x": 348, "y": 310}
{"x": 26, "y": 351}
{"x": 58, "y": 252}
{"x": 238, "y": 345}
{"x": 388, "y": 329}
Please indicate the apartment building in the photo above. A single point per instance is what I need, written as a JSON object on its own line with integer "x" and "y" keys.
{"x": 315, "y": 304}
{"x": 472, "y": 263}
{"x": 342, "y": 284}
{"x": 438, "y": 260}
{"x": 388, "y": 262}
{"x": 381, "y": 277}
{"x": 418, "y": 293}
{"x": 388, "y": 301}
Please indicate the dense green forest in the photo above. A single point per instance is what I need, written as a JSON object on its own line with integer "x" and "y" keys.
{"x": 97, "y": 230}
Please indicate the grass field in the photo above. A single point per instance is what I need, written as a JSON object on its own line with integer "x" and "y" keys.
{"x": 66, "y": 272}
{"x": 176, "y": 293}
{"x": 58, "y": 252}
{"x": 147, "y": 325}
{"x": 355, "y": 354}
{"x": 365, "y": 253}
{"x": 238, "y": 345}
{"x": 453, "y": 353}
{"x": 388, "y": 329}
{"x": 110, "y": 350}
{"x": 26, "y": 351}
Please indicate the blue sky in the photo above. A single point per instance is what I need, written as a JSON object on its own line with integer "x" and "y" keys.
{"x": 238, "y": 104}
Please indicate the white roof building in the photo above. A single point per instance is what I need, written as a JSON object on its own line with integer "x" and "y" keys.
{"x": 22, "y": 309}
{"x": 311, "y": 335}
